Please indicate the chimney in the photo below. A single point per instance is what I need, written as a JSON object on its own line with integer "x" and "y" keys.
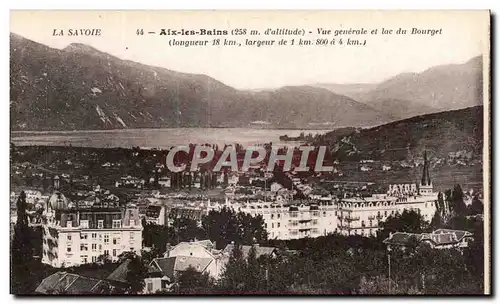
{"x": 167, "y": 253}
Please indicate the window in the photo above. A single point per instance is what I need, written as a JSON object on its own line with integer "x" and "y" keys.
{"x": 272, "y": 216}
{"x": 84, "y": 223}
{"x": 385, "y": 213}
{"x": 131, "y": 223}
{"x": 84, "y": 247}
{"x": 279, "y": 225}
{"x": 84, "y": 259}
{"x": 69, "y": 224}
{"x": 106, "y": 238}
{"x": 94, "y": 247}
{"x": 84, "y": 236}
{"x": 114, "y": 252}
{"x": 100, "y": 247}
{"x": 272, "y": 225}
{"x": 94, "y": 236}
{"x": 68, "y": 249}
{"x": 132, "y": 249}
{"x": 279, "y": 215}
{"x": 117, "y": 223}
{"x": 114, "y": 241}
{"x": 94, "y": 259}
{"x": 100, "y": 224}
{"x": 150, "y": 286}
{"x": 69, "y": 237}
{"x": 106, "y": 252}
{"x": 132, "y": 235}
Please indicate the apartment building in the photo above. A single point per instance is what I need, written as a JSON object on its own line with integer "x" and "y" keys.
{"x": 79, "y": 235}
{"x": 362, "y": 215}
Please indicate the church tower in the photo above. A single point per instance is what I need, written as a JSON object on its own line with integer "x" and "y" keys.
{"x": 426, "y": 183}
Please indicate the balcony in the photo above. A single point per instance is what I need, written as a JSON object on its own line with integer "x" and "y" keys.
{"x": 344, "y": 226}
{"x": 351, "y": 218}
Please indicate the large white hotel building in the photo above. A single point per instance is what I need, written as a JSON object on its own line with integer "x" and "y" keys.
{"x": 74, "y": 235}
{"x": 347, "y": 216}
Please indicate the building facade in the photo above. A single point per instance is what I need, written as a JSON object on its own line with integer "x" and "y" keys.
{"x": 286, "y": 220}
{"x": 362, "y": 215}
{"x": 79, "y": 235}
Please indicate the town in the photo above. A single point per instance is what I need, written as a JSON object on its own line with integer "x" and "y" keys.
{"x": 192, "y": 223}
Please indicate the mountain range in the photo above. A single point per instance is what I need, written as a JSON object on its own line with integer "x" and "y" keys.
{"x": 440, "y": 88}
{"x": 82, "y": 88}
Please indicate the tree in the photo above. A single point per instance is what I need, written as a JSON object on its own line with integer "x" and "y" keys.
{"x": 436, "y": 222}
{"x": 193, "y": 281}
{"x": 234, "y": 276}
{"x": 254, "y": 278}
{"x": 457, "y": 199}
{"x": 476, "y": 207}
{"x": 136, "y": 271}
{"x": 157, "y": 237}
{"x": 221, "y": 226}
{"x": 381, "y": 285}
{"x": 22, "y": 251}
{"x": 186, "y": 229}
{"x": 103, "y": 259}
{"x": 251, "y": 229}
{"x": 226, "y": 226}
{"x": 409, "y": 221}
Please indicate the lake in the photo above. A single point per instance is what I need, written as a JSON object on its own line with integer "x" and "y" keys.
{"x": 156, "y": 138}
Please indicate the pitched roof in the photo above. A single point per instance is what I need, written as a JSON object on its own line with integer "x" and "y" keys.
{"x": 402, "y": 238}
{"x": 446, "y": 236}
{"x": 259, "y": 250}
{"x": 438, "y": 237}
{"x": 120, "y": 273}
{"x": 205, "y": 244}
{"x": 72, "y": 283}
{"x": 169, "y": 266}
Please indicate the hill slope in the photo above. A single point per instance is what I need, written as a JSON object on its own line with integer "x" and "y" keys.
{"x": 439, "y": 133}
{"x": 81, "y": 88}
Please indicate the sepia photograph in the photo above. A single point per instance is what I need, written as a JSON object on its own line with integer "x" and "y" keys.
{"x": 165, "y": 153}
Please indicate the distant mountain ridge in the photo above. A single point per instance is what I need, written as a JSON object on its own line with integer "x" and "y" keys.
{"x": 439, "y": 88}
{"x": 82, "y": 88}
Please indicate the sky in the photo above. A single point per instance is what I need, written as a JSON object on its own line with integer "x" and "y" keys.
{"x": 464, "y": 35}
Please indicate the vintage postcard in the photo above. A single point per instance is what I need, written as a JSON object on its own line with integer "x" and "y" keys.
{"x": 250, "y": 152}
